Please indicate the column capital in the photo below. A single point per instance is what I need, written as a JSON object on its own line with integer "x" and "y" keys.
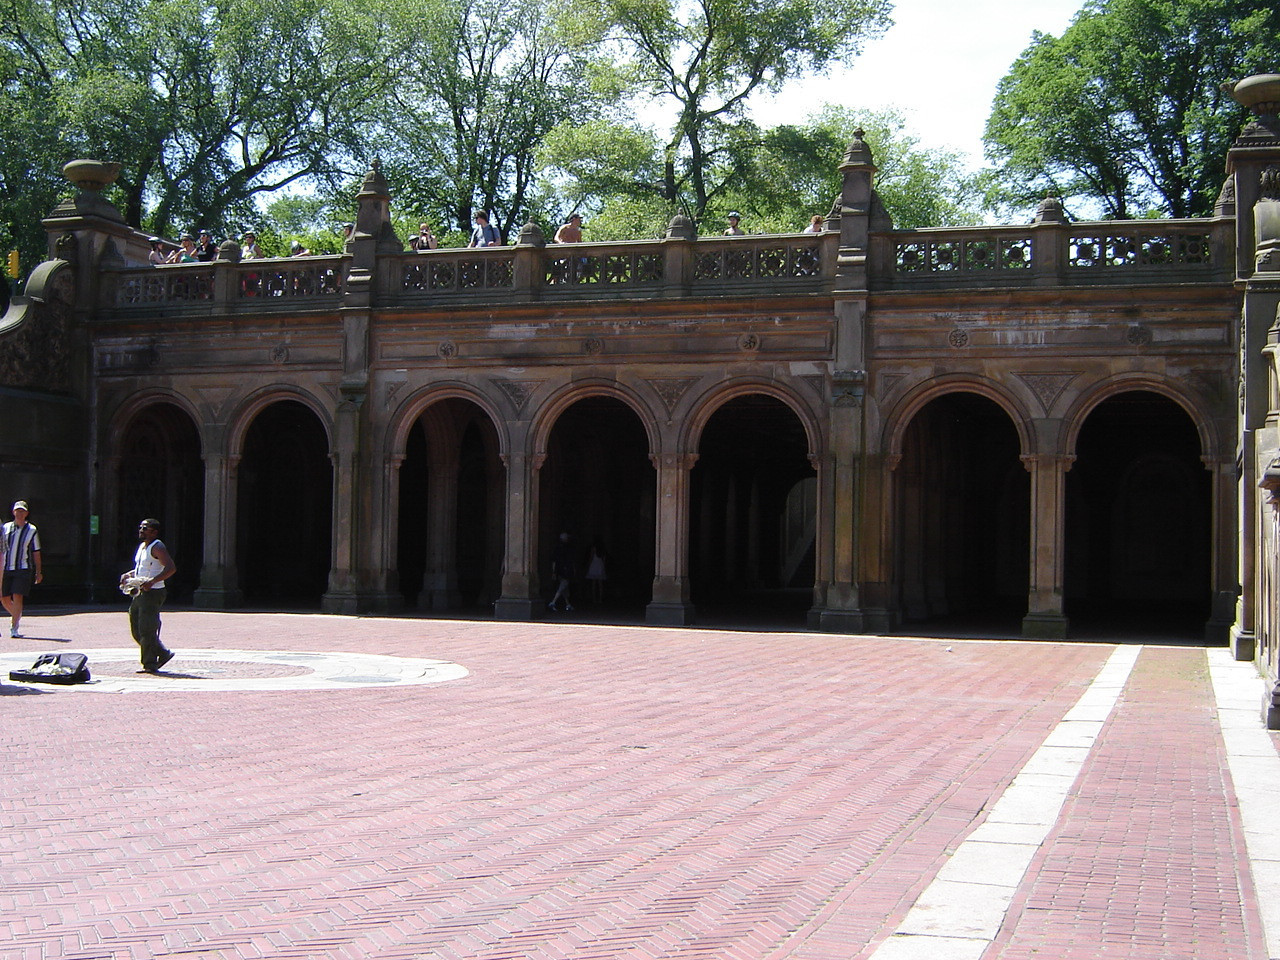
{"x": 1061, "y": 460}
{"x": 673, "y": 461}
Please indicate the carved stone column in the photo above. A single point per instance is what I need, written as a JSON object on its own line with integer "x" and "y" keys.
{"x": 1224, "y": 575}
{"x": 348, "y": 525}
{"x": 670, "y": 605}
{"x": 219, "y": 578}
{"x": 519, "y": 600}
{"x": 1046, "y": 617}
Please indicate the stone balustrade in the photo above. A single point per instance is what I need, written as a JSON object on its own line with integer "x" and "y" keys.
{"x": 1047, "y": 254}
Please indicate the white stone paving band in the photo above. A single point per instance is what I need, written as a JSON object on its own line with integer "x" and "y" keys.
{"x": 959, "y": 915}
{"x": 1255, "y": 775}
{"x": 198, "y": 670}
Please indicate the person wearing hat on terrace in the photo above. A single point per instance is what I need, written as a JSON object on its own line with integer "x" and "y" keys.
{"x": 21, "y": 549}
{"x": 733, "y": 229}
{"x": 296, "y": 249}
{"x": 206, "y": 249}
{"x": 571, "y": 230}
{"x": 157, "y": 254}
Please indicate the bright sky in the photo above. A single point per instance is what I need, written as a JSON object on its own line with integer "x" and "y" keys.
{"x": 939, "y": 64}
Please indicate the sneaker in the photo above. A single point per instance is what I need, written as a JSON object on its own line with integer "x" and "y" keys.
{"x": 164, "y": 658}
{"x": 551, "y": 606}
{"x": 13, "y": 632}
{"x": 569, "y": 607}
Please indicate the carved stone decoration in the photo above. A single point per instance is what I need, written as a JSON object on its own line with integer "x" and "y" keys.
{"x": 1269, "y": 183}
{"x": 848, "y": 388}
{"x": 216, "y": 403}
{"x": 517, "y": 391}
{"x": 958, "y": 338}
{"x": 817, "y": 382}
{"x": 394, "y": 387}
{"x": 1208, "y": 382}
{"x": 672, "y": 390}
{"x": 447, "y": 350}
{"x": 1139, "y": 335}
{"x": 37, "y": 354}
{"x": 67, "y": 247}
{"x": 280, "y": 353}
{"x": 1047, "y": 386}
{"x": 749, "y": 342}
{"x": 593, "y": 346}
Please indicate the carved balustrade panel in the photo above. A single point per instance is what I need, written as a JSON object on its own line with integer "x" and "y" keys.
{"x": 760, "y": 258}
{"x": 446, "y": 271}
{"x": 959, "y": 255}
{"x": 289, "y": 278}
{"x": 158, "y": 286}
{"x": 1101, "y": 249}
{"x": 591, "y": 268}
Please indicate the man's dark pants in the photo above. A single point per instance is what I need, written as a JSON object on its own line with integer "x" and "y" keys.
{"x": 144, "y": 622}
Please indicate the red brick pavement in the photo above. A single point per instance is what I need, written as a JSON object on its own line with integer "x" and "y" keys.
{"x": 587, "y": 792}
{"x": 1147, "y": 860}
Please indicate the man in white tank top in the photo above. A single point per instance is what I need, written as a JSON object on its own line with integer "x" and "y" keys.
{"x": 152, "y": 566}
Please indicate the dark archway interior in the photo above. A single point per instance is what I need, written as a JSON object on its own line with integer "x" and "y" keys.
{"x": 162, "y": 476}
{"x": 1138, "y": 520}
{"x": 285, "y": 500}
{"x": 963, "y": 515}
{"x": 752, "y": 502}
{"x": 598, "y": 485}
{"x": 451, "y": 452}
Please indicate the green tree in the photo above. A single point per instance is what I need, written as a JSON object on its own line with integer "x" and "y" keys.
{"x": 1124, "y": 111}
{"x": 207, "y": 104}
{"x": 707, "y": 58}
{"x": 479, "y": 83}
{"x": 777, "y": 178}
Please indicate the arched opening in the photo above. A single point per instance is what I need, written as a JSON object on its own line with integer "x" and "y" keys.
{"x": 162, "y": 476}
{"x": 450, "y": 533}
{"x": 751, "y": 519}
{"x": 963, "y": 502}
{"x": 285, "y": 499}
{"x": 598, "y": 485}
{"x": 1138, "y": 521}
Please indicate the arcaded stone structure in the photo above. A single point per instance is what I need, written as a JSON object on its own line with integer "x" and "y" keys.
{"x": 1044, "y": 423}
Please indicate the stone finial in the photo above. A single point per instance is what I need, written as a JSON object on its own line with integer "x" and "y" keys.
{"x": 1225, "y": 205}
{"x": 1050, "y": 211}
{"x": 1260, "y": 93}
{"x": 531, "y": 236}
{"x": 681, "y": 228}
{"x": 91, "y": 177}
{"x": 858, "y": 153}
{"x": 375, "y": 184}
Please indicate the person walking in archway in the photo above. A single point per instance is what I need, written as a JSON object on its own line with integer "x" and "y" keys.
{"x": 563, "y": 569}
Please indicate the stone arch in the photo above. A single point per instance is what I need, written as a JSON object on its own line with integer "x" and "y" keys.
{"x": 448, "y": 442}
{"x": 1138, "y": 511}
{"x": 705, "y": 407}
{"x": 753, "y": 502}
{"x": 257, "y": 401}
{"x": 282, "y": 447}
{"x": 903, "y": 412}
{"x": 407, "y": 414}
{"x": 156, "y": 454}
{"x": 1088, "y": 400}
{"x": 961, "y": 507}
{"x": 566, "y": 396}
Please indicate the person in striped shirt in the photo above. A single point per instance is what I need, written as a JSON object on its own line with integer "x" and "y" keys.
{"x": 21, "y": 550}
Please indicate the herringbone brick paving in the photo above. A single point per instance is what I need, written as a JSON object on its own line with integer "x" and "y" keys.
{"x": 587, "y": 792}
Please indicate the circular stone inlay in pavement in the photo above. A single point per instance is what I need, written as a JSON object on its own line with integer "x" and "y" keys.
{"x": 116, "y": 671}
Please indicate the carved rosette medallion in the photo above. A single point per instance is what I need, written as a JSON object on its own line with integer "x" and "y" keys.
{"x": 958, "y": 338}
{"x": 447, "y": 350}
{"x": 280, "y": 353}
{"x": 749, "y": 342}
{"x": 593, "y": 346}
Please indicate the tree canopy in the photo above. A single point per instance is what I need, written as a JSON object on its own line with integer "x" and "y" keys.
{"x": 1123, "y": 111}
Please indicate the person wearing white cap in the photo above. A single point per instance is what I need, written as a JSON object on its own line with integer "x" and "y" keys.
{"x": 22, "y": 563}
